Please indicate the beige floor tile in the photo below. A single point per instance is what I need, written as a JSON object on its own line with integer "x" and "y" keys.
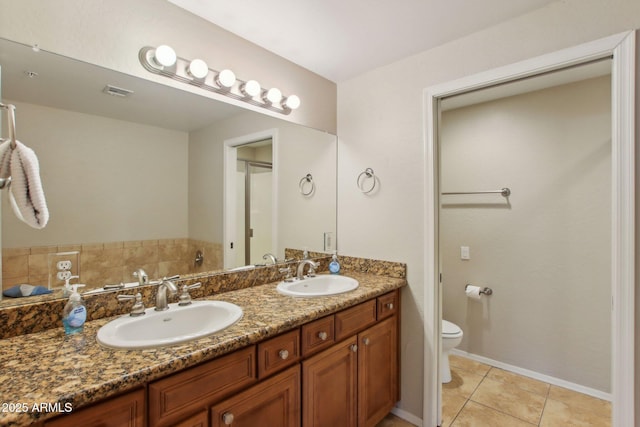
{"x": 558, "y": 413}
{"x": 451, "y": 406}
{"x": 476, "y": 415}
{"x": 463, "y": 383}
{"x": 393, "y": 421}
{"x": 579, "y": 401}
{"x": 468, "y": 365}
{"x": 510, "y": 399}
{"x": 525, "y": 383}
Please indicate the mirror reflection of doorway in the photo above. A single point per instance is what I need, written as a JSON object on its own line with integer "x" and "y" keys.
{"x": 253, "y": 202}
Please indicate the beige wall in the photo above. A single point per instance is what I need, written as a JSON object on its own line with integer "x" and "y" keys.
{"x": 85, "y": 159}
{"x": 110, "y": 33}
{"x": 546, "y": 251}
{"x": 301, "y": 221}
{"x": 383, "y": 129}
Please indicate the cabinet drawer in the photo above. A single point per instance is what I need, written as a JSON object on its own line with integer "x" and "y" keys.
{"x": 271, "y": 403}
{"x": 179, "y": 395}
{"x": 125, "y": 410}
{"x": 387, "y": 305}
{"x": 278, "y": 353}
{"x": 318, "y": 335}
{"x": 355, "y": 319}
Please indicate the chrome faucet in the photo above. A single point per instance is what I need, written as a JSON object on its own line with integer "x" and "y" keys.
{"x": 161, "y": 294}
{"x": 270, "y": 256}
{"x": 312, "y": 267}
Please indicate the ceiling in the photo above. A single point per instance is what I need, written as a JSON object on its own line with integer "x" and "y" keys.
{"x": 340, "y": 39}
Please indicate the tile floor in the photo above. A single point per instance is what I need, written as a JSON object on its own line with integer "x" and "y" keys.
{"x": 480, "y": 395}
{"x": 483, "y": 396}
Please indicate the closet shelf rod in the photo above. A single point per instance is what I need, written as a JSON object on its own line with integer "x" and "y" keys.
{"x": 505, "y": 192}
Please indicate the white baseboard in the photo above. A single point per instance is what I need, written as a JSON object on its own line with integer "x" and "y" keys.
{"x": 535, "y": 375}
{"x": 407, "y": 416}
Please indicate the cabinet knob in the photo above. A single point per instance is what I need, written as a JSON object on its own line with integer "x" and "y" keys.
{"x": 354, "y": 347}
{"x": 390, "y": 306}
{"x": 284, "y": 354}
{"x": 323, "y": 336}
{"x": 227, "y": 418}
{"x": 366, "y": 341}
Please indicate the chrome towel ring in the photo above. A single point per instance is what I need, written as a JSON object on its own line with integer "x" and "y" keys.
{"x": 307, "y": 181}
{"x": 362, "y": 179}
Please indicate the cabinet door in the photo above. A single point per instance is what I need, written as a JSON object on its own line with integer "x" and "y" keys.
{"x": 126, "y": 410}
{"x": 377, "y": 372}
{"x": 272, "y": 403}
{"x": 201, "y": 419}
{"x": 329, "y": 392}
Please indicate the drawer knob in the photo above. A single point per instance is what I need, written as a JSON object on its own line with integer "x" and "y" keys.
{"x": 366, "y": 341}
{"x": 284, "y": 354}
{"x": 227, "y": 418}
{"x": 323, "y": 336}
{"x": 390, "y": 306}
{"x": 354, "y": 347}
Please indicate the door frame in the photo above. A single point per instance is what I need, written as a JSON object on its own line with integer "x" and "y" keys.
{"x": 621, "y": 47}
{"x": 229, "y": 190}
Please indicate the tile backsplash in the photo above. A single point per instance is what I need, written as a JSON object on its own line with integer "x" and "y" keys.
{"x": 108, "y": 262}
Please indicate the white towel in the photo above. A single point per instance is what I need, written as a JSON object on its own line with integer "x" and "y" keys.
{"x": 26, "y": 193}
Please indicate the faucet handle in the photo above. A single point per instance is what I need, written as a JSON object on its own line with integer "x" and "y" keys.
{"x": 287, "y": 272}
{"x": 142, "y": 276}
{"x": 138, "y": 305}
{"x": 312, "y": 269}
{"x": 185, "y": 297}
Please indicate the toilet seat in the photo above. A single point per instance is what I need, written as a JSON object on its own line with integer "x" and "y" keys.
{"x": 450, "y": 330}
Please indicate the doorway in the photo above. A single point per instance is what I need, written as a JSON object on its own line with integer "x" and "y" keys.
{"x": 621, "y": 48}
{"x": 250, "y": 194}
{"x": 543, "y": 249}
{"x": 254, "y": 197}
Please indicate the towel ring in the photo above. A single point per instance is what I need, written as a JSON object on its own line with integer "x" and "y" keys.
{"x": 308, "y": 179}
{"x": 362, "y": 178}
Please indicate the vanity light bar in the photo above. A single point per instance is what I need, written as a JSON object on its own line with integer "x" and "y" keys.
{"x": 163, "y": 61}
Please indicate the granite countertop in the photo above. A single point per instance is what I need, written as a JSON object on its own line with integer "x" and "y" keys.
{"x": 61, "y": 372}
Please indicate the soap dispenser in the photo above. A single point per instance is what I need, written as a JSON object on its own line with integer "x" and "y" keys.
{"x": 74, "y": 313}
{"x": 66, "y": 289}
{"x": 334, "y": 265}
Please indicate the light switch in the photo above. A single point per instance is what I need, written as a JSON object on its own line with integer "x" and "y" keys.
{"x": 464, "y": 252}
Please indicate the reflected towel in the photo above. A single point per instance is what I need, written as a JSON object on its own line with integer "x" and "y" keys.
{"x": 27, "y": 195}
{"x": 25, "y": 290}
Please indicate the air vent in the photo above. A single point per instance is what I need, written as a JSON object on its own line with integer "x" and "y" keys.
{"x": 117, "y": 91}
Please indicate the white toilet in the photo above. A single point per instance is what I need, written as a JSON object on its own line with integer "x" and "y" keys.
{"x": 451, "y": 338}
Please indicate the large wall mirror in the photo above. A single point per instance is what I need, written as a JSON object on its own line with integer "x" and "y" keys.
{"x": 138, "y": 181}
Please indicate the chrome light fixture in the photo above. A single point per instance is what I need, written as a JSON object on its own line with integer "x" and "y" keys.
{"x": 164, "y": 61}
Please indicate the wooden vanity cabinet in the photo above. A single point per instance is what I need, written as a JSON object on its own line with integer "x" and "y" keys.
{"x": 355, "y": 382}
{"x": 339, "y": 370}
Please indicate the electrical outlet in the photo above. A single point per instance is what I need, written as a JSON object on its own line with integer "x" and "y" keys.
{"x": 64, "y": 265}
{"x": 63, "y": 275}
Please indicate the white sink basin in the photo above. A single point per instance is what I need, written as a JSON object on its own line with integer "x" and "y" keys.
{"x": 318, "y": 286}
{"x": 172, "y": 326}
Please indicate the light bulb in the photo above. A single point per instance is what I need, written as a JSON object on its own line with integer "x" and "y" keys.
{"x": 250, "y": 88}
{"x": 165, "y": 56}
{"x": 226, "y": 78}
{"x": 198, "y": 69}
{"x": 273, "y": 95}
{"x": 292, "y": 102}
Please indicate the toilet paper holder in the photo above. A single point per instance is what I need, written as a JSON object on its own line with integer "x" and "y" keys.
{"x": 485, "y": 290}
